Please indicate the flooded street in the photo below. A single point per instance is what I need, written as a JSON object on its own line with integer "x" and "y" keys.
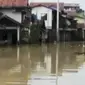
{"x": 61, "y": 64}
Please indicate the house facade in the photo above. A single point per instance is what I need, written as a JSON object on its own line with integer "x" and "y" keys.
{"x": 70, "y": 11}
{"x": 11, "y": 18}
{"x": 51, "y": 22}
{"x": 42, "y": 9}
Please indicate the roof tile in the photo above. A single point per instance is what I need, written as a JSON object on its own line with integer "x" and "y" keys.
{"x": 7, "y": 3}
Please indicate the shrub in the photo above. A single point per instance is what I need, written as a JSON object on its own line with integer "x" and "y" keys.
{"x": 34, "y": 33}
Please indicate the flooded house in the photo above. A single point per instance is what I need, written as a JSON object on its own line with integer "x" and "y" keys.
{"x": 81, "y": 25}
{"x": 67, "y": 25}
{"x": 67, "y": 22}
{"x": 12, "y": 14}
{"x": 48, "y": 10}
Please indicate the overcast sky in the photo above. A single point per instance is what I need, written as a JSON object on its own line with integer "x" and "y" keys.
{"x": 81, "y": 2}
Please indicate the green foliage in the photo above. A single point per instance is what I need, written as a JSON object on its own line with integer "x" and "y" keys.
{"x": 34, "y": 33}
{"x": 80, "y": 15}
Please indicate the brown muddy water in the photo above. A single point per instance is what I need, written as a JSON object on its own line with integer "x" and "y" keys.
{"x": 59, "y": 64}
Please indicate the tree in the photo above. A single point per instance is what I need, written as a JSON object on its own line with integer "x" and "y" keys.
{"x": 34, "y": 33}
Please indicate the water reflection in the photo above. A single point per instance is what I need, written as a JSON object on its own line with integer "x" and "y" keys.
{"x": 61, "y": 63}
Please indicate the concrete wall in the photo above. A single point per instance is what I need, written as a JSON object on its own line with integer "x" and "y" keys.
{"x": 15, "y": 15}
{"x": 39, "y": 11}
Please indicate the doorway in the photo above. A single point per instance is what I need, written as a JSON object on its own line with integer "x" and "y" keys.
{"x": 14, "y": 37}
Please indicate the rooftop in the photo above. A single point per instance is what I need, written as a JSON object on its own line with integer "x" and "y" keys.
{"x": 71, "y": 4}
{"x": 13, "y": 3}
{"x": 52, "y": 3}
{"x": 47, "y": 5}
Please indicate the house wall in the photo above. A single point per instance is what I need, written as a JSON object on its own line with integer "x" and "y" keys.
{"x": 15, "y": 15}
{"x": 9, "y": 35}
{"x": 39, "y": 11}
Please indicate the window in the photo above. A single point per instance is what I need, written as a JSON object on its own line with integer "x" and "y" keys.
{"x": 44, "y": 16}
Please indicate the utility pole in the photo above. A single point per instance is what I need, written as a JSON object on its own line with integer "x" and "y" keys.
{"x": 57, "y": 19}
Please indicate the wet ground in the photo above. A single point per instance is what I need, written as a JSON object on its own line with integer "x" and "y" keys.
{"x": 59, "y": 64}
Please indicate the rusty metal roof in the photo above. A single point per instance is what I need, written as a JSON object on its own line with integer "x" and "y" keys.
{"x": 71, "y": 5}
{"x": 54, "y": 5}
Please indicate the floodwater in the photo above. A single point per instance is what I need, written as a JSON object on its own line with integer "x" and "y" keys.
{"x": 58, "y": 64}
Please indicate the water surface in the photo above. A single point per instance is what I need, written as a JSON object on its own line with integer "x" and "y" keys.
{"x": 59, "y": 64}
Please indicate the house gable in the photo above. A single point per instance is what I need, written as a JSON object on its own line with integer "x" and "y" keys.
{"x": 40, "y": 11}
{"x": 14, "y": 15}
{"x": 7, "y": 21}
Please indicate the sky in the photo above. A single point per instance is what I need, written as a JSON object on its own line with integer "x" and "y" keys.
{"x": 80, "y": 2}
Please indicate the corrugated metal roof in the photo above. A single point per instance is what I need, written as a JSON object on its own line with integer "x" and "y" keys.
{"x": 45, "y": 4}
{"x": 62, "y": 4}
{"x": 15, "y": 3}
{"x": 71, "y": 4}
{"x": 49, "y": 5}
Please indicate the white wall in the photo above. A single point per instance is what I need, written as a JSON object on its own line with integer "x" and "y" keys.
{"x": 40, "y": 10}
{"x": 15, "y": 15}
